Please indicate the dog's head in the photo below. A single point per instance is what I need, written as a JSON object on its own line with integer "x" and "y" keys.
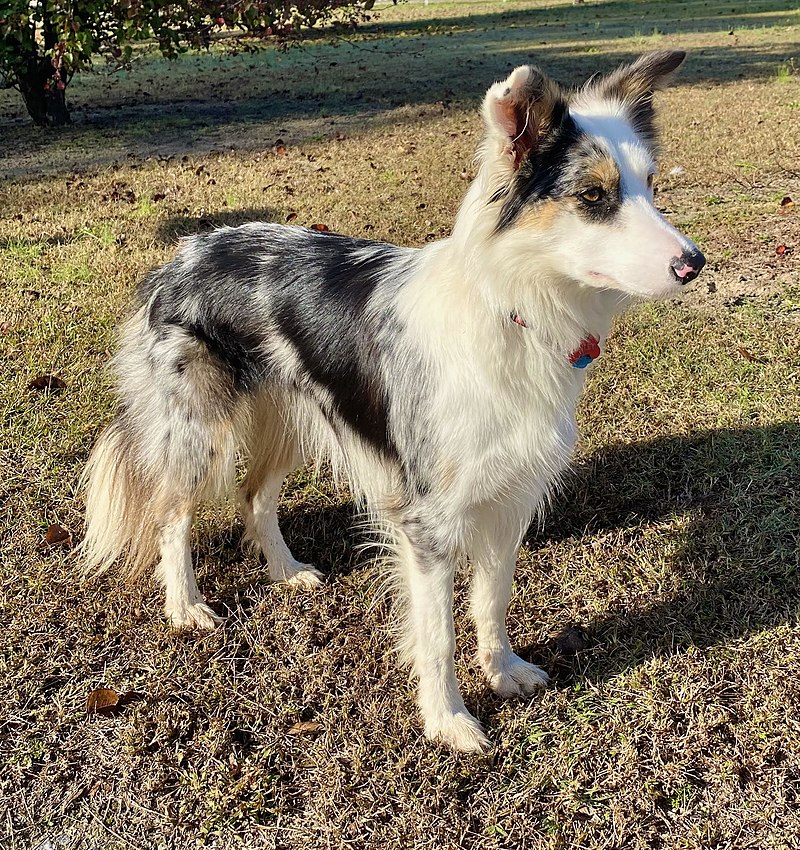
{"x": 568, "y": 177}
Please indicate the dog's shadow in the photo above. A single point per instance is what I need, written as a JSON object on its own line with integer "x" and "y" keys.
{"x": 733, "y": 563}
{"x": 733, "y": 569}
{"x": 170, "y": 230}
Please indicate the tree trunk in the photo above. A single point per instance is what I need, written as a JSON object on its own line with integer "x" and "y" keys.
{"x": 45, "y": 102}
{"x": 42, "y": 89}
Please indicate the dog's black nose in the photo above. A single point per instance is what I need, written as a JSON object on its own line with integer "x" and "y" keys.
{"x": 686, "y": 267}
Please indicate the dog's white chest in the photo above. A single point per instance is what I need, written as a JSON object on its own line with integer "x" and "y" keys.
{"x": 517, "y": 433}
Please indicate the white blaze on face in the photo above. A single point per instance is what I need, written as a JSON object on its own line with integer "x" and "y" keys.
{"x": 635, "y": 250}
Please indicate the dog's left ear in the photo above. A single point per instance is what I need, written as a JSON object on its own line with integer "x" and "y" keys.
{"x": 519, "y": 112}
{"x": 634, "y": 85}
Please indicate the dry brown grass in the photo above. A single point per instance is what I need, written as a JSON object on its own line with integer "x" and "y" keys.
{"x": 674, "y": 549}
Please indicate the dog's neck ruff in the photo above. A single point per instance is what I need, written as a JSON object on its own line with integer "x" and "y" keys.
{"x": 584, "y": 354}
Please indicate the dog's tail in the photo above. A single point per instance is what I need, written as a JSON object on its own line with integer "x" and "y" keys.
{"x": 172, "y": 443}
{"x": 120, "y": 525}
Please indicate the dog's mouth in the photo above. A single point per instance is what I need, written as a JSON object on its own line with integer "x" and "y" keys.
{"x": 603, "y": 279}
{"x": 606, "y": 281}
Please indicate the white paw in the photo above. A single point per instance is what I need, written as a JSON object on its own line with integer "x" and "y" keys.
{"x": 298, "y": 575}
{"x": 193, "y": 616}
{"x": 460, "y": 731}
{"x": 514, "y": 677}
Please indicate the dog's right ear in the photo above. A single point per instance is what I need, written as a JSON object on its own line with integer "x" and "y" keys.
{"x": 518, "y": 112}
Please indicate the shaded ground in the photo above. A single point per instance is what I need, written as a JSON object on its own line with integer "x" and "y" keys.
{"x": 436, "y": 56}
{"x": 673, "y": 552}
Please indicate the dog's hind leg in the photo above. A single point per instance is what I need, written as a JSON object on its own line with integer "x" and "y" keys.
{"x": 494, "y": 556}
{"x": 273, "y": 454}
{"x": 184, "y": 604}
{"x": 171, "y": 445}
{"x": 428, "y": 573}
{"x": 261, "y": 523}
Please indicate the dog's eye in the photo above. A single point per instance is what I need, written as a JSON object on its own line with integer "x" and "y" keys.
{"x": 591, "y": 196}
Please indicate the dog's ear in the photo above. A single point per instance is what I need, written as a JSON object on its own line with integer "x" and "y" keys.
{"x": 519, "y": 111}
{"x": 634, "y": 85}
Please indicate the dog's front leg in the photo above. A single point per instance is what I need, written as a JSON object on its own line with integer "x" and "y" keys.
{"x": 494, "y": 557}
{"x": 428, "y": 576}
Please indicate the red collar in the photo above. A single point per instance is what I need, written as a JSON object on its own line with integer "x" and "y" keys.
{"x": 584, "y": 354}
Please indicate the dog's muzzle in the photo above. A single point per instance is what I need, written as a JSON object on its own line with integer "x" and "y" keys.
{"x": 686, "y": 267}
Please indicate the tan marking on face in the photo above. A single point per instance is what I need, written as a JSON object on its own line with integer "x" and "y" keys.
{"x": 541, "y": 216}
{"x": 604, "y": 173}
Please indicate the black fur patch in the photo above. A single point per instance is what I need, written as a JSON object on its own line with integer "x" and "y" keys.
{"x": 581, "y": 175}
{"x": 604, "y": 210}
{"x": 230, "y": 288}
{"x": 321, "y": 308}
{"x": 240, "y": 352}
{"x": 560, "y": 167}
{"x": 635, "y": 84}
{"x": 540, "y": 172}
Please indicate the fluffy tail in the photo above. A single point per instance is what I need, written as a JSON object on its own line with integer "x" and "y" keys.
{"x": 172, "y": 444}
{"x": 120, "y": 525}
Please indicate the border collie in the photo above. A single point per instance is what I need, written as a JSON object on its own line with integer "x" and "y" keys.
{"x": 440, "y": 382}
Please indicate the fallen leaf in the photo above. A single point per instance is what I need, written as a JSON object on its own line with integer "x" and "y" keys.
{"x": 323, "y": 228}
{"x": 308, "y": 726}
{"x": 291, "y": 217}
{"x": 102, "y": 701}
{"x": 158, "y": 196}
{"x": 47, "y": 382}
{"x": 787, "y": 204}
{"x": 747, "y": 355}
{"x": 56, "y": 535}
{"x": 781, "y": 250}
{"x": 280, "y": 150}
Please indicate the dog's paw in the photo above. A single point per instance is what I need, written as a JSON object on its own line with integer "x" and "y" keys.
{"x": 195, "y": 615}
{"x": 297, "y": 575}
{"x": 460, "y": 731}
{"x": 515, "y": 677}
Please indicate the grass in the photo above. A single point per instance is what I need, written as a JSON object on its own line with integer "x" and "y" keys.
{"x": 673, "y": 550}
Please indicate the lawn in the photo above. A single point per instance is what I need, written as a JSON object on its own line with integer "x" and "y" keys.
{"x": 662, "y": 590}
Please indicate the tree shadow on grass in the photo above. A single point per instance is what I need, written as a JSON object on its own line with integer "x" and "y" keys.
{"x": 621, "y": 18}
{"x": 429, "y": 65}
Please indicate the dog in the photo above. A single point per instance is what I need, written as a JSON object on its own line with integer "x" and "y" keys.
{"x": 440, "y": 382}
